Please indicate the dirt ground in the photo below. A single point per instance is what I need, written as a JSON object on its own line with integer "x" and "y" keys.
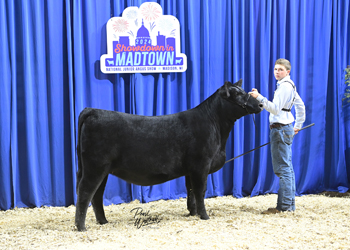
{"x": 320, "y": 222}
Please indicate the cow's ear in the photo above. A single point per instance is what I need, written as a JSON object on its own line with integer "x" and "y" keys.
{"x": 239, "y": 83}
{"x": 224, "y": 91}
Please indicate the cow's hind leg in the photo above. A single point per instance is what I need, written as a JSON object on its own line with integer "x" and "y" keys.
{"x": 199, "y": 186}
{"x": 86, "y": 190}
{"x": 191, "y": 200}
{"x": 97, "y": 203}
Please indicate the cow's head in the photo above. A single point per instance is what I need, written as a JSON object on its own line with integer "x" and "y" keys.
{"x": 245, "y": 103}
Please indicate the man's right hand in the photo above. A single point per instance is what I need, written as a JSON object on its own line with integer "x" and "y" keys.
{"x": 254, "y": 93}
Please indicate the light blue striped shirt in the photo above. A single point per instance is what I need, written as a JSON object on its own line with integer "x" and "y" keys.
{"x": 283, "y": 98}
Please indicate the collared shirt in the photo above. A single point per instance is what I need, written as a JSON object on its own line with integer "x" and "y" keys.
{"x": 283, "y": 98}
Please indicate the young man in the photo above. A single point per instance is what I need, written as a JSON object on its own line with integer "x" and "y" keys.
{"x": 282, "y": 132}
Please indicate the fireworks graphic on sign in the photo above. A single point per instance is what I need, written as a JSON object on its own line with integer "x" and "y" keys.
{"x": 150, "y": 12}
{"x": 167, "y": 26}
{"x": 120, "y": 25}
{"x": 132, "y": 14}
{"x": 131, "y": 33}
{"x": 152, "y": 25}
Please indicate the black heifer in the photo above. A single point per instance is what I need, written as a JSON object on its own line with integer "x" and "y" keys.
{"x": 148, "y": 150}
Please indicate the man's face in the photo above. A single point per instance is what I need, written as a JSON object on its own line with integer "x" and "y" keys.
{"x": 280, "y": 72}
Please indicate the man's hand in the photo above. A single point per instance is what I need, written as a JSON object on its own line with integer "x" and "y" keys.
{"x": 296, "y": 130}
{"x": 254, "y": 93}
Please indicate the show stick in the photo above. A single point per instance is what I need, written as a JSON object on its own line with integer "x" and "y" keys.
{"x": 308, "y": 126}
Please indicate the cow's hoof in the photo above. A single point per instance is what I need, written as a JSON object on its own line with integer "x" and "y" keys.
{"x": 204, "y": 217}
{"x": 81, "y": 229}
{"x": 101, "y": 222}
{"x": 80, "y": 226}
{"x": 191, "y": 214}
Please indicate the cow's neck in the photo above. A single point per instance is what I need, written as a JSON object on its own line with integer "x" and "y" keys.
{"x": 221, "y": 112}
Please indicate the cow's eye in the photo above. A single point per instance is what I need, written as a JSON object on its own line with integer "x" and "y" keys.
{"x": 238, "y": 91}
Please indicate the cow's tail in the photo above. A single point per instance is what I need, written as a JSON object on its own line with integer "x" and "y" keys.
{"x": 82, "y": 117}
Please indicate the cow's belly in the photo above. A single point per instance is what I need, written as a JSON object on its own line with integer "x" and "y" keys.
{"x": 139, "y": 175}
{"x": 148, "y": 167}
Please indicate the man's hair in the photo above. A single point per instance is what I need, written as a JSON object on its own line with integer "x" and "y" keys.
{"x": 284, "y": 62}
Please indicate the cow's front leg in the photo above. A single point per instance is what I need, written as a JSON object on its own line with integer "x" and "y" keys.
{"x": 191, "y": 200}
{"x": 97, "y": 203}
{"x": 199, "y": 186}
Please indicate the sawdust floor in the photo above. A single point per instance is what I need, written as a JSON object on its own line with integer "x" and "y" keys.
{"x": 320, "y": 222}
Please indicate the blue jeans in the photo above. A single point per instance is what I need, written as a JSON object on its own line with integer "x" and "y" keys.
{"x": 281, "y": 153}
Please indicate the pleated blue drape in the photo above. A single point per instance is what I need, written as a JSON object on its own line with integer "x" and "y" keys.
{"x": 50, "y": 71}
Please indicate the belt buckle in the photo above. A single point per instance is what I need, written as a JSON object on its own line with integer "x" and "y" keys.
{"x": 275, "y": 125}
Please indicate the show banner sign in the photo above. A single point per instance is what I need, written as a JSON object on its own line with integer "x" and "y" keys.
{"x": 143, "y": 40}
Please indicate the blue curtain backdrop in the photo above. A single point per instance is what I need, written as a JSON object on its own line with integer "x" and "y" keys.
{"x": 50, "y": 71}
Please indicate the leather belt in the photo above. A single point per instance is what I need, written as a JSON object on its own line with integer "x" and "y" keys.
{"x": 277, "y": 125}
